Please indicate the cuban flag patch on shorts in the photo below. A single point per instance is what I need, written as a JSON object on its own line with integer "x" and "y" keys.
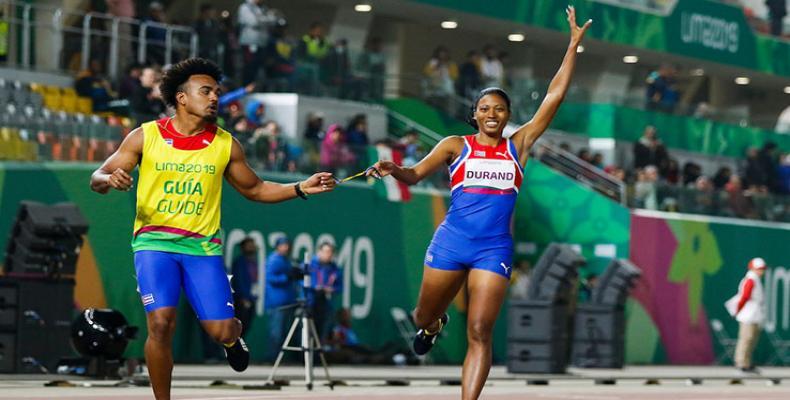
{"x": 148, "y": 299}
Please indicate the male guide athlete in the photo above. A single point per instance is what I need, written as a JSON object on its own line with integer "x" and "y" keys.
{"x": 177, "y": 242}
{"x": 474, "y": 243}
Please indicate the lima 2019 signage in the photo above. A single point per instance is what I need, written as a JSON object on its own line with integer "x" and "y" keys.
{"x": 704, "y": 29}
{"x": 710, "y": 32}
{"x": 777, "y": 299}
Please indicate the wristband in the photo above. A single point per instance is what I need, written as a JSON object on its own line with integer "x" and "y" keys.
{"x": 299, "y": 191}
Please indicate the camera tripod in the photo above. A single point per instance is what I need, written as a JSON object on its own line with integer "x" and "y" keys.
{"x": 309, "y": 345}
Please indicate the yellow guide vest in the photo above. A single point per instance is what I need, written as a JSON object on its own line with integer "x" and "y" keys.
{"x": 179, "y": 193}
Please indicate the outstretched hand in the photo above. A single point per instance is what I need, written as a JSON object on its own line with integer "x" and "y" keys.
{"x": 381, "y": 169}
{"x": 577, "y": 32}
{"x": 318, "y": 183}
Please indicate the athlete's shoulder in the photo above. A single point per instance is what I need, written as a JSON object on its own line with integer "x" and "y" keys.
{"x": 133, "y": 141}
{"x": 454, "y": 140}
{"x": 218, "y": 130}
{"x": 136, "y": 134}
{"x": 223, "y": 134}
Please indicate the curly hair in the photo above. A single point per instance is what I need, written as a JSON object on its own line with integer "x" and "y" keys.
{"x": 177, "y": 75}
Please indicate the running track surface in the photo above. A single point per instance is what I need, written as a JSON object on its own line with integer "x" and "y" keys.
{"x": 663, "y": 392}
{"x": 192, "y": 383}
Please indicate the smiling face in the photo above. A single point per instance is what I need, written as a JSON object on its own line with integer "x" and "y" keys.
{"x": 492, "y": 114}
{"x": 199, "y": 96}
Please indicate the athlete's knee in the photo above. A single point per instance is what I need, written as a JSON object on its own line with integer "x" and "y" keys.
{"x": 480, "y": 332}
{"x": 226, "y": 332}
{"x": 161, "y": 327}
{"x": 423, "y": 318}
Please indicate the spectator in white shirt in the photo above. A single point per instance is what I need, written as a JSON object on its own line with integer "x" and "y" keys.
{"x": 491, "y": 69}
{"x": 254, "y": 24}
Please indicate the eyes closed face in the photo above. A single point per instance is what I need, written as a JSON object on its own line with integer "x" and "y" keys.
{"x": 492, "y": 114}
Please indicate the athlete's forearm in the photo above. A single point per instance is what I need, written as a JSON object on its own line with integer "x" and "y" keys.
{"x": 406, "y": 175}
{"x": 270, "y": 192}
{"x": 562, "y": 79}
{"x": 554, "y": 96}
{"x": 100, "y": 181}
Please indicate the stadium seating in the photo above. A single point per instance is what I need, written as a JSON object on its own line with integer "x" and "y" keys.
{"x": 42, "y": 122}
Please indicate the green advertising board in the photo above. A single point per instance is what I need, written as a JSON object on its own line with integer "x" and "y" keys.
{"x": 696, "y": 135}
{"x": 711, "y": 31}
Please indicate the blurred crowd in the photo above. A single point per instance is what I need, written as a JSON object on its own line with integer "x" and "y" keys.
{"x": 756, "y": 189}
{"x": 255, "y": 46}
{"x": 257, "y": 53}
{"x": 772, "y": 22}
{"x": 446, "y": 84}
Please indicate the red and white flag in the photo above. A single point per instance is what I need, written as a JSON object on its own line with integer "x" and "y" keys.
{"x": 389, "y": 187}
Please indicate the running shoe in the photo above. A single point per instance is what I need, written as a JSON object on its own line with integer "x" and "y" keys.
{"x": 238, "y": 355}
{"x": 424, "y": 341}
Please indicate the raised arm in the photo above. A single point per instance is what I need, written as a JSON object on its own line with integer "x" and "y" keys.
{"x": 114, "y": 173}
{"x": 245, "y": 181}
{"x": 528, "y": 133}
{"x": 444, "y": 152}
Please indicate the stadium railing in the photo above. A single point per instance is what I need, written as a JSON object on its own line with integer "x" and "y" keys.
{"x": 55, "y": 39}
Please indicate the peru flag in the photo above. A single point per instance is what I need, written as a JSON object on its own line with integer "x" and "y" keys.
{"x": 389, "y": 187}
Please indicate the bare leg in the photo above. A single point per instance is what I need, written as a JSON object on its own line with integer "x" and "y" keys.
{"x": 438, "y": 289}
{"x": 159, "y": 350}
{"x": 224, "y": 331}
{"x": 486, "y": 293}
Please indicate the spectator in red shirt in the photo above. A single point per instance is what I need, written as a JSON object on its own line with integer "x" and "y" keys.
{"x": 747, "y": 307}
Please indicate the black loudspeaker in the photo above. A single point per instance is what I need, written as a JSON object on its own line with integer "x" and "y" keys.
{"x": 538, "y": 327}
{"x": 599, "y": 323}
{"x": 555, "y": 274}
{"x": 537, "y": 337}
{"x": 537, "y": 358}
{"x": 56, "y": 220}
{"x": 599, "y": 328}
{"x": 599, "y": 337}
{"x": 616, "y": 282}
{"x": 35, "y": 324}
{"x": 45, "y": 241}
{"x": 536, "y": 320}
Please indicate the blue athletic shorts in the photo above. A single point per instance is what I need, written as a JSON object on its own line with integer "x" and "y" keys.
{"x": 161, "y": 275}
{"x": 460, "y": 256}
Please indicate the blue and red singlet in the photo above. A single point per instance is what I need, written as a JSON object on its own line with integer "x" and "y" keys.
{"x": 476, "y": 232}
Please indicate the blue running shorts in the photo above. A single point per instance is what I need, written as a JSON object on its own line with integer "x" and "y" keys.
{"x": 161, "y": 275}
{"x": 464, "y": 256}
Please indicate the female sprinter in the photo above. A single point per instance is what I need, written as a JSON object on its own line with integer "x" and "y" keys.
{"x": 474, "y": 243}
